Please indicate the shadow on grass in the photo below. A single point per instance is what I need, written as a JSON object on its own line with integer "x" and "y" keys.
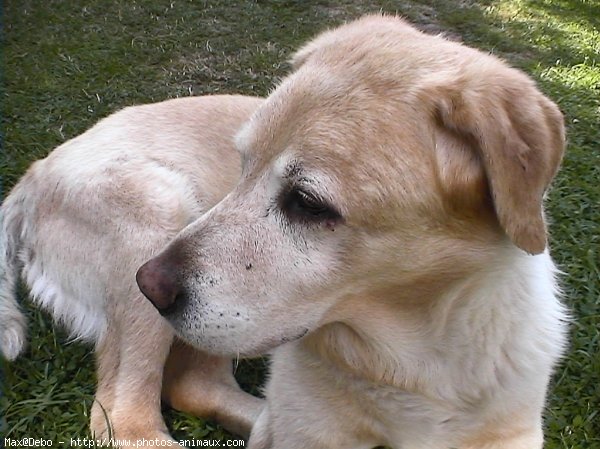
{"x": 577, "y": 11}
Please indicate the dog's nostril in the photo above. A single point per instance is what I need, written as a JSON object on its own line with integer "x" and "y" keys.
{"x": 179, "y": 300}
{"x": 160, "y": 285}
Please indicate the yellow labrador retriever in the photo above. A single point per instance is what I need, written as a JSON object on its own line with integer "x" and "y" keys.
{"x": 385, "y": 241}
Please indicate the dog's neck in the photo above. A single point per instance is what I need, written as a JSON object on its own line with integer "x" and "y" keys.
{"x": 466, "y": 332}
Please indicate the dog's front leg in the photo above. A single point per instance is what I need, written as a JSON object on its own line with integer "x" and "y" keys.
{"x": 130, "y": 361}
{"x": 203, "y": 385}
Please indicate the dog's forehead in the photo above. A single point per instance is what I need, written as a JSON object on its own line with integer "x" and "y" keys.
{"x": 292, "y": 112}
{"x": 321, "y": 112}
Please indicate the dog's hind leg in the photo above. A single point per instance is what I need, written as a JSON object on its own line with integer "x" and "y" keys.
{"x": 203, "y": 385}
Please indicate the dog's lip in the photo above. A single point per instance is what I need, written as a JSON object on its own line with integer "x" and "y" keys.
{"x": 261, "y": 348}
{"x": 273, "y": 343}
{"x": 276, "y": 342}
{"x": 296, "y": 337}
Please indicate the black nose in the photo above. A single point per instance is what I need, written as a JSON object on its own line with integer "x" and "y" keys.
{"x": 158, "y": 280}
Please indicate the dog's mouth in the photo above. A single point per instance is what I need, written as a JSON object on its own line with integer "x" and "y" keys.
{"x": 229, "y": 345}
{"x": 295, "y": 337}
{"x": 275, "y": 342}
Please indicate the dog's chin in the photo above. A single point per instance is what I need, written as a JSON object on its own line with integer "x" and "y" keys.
{"x": 245, "y": 348}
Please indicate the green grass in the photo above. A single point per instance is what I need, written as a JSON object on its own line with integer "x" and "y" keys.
{"x": 67, "y": 64}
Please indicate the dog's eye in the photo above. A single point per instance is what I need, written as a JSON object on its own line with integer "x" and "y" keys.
{"x": 301, "y": 204}
{"x": 308, "y": 203}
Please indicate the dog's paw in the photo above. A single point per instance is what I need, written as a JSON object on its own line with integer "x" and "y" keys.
{"x": 112, "y": 431}
{"x": 126, "y": 439}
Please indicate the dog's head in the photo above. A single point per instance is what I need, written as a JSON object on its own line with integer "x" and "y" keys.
{"x": 386, "y": 160}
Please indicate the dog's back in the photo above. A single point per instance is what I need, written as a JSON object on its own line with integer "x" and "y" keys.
{"x": 103, "y": 202}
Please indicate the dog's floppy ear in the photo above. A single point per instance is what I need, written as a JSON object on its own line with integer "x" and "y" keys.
{"x": 518, "y": 135}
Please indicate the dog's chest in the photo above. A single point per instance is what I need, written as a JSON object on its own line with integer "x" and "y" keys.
{"x": 337, "y": 399}
{"x": 403, "y": 419}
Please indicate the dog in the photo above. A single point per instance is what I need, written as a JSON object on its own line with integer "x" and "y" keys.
{"x": 387, "y": 243}
{"x": 384, "y": 240}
